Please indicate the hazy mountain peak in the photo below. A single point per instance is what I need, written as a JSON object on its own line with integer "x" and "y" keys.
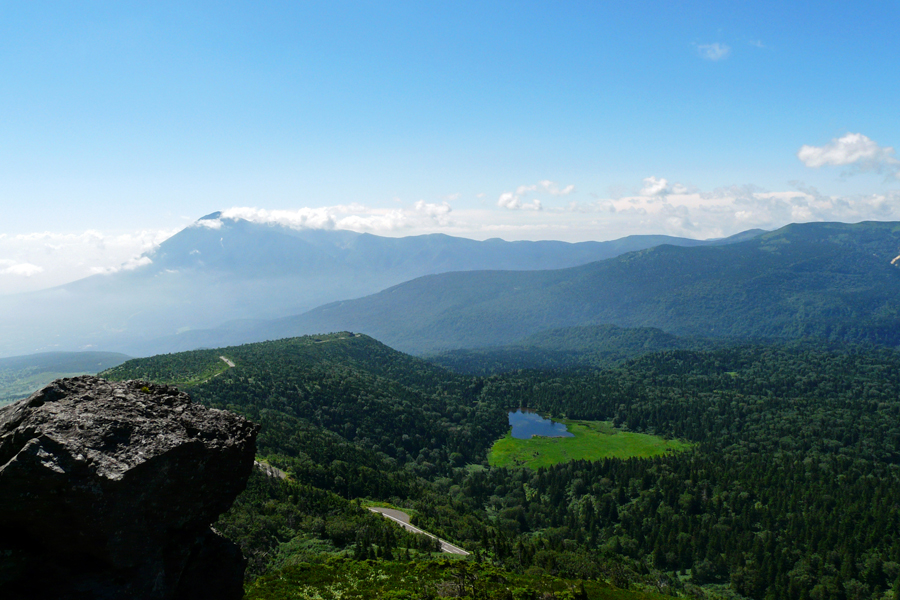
{"x": 226, "y": 268}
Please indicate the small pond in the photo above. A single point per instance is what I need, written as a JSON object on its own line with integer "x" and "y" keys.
{"x": 527, "y": 423}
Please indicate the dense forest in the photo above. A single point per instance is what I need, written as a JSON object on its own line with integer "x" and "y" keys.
{"x": 791, "y": 490}
{"x": 570, "y": 348}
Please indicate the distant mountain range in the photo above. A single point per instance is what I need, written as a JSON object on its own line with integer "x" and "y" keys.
{"x": 822, "y": 280}
{"x": 231, "y": 271}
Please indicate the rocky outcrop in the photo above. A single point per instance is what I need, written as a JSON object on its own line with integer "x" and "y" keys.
{"x": 107, "y": 490}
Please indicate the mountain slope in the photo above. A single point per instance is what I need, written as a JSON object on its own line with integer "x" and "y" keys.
{"x": 354, "y": 422}
{"x": 587, "y": 346}
{"x": 22, "y": 375}
{"x": 221, "y": 270}
{"x": 346, "y": 383}
{"x": 826, "y": 280}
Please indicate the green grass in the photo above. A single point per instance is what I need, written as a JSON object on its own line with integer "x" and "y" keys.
{"x": 593, "y": 440}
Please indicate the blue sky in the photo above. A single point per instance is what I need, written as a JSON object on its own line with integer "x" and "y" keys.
{"x": 121, "y": 123}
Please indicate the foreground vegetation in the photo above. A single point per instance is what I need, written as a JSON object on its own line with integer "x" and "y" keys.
{"x": 791, "y": 489}
{"x": 592, "y": 440}
{"x": 370, "y": 580}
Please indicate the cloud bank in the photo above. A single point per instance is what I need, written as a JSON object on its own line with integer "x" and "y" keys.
{"x": 675, "y": 209}
{"x": 355, "y": 217}
{"x": 39, "y": 260}
{"x": 542, "y": 210}
{"x": 659, "y": 205}
{"x": 20, "y": 269}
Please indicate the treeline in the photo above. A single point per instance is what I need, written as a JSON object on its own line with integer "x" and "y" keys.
{"x": 792, "y": 491}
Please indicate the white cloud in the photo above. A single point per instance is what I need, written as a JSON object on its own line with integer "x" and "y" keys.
{"x": 354, "y": 217}
{"x": 553, "y": 189}
{"x": 508, "y": 200}
{"x": 208, "y": 223}
{"x": 437, "y": 212}
{"x": 378, "y": 222}
{"x": 11, "y": 267}
{"x": 513, "y": 200}
{"x": 853, "y": 149}
{"x": 726, "y": 211}
{"x": 714, "y": 51}
{"x": 660, "y": 206}
{"x": 129, "y": 265}
{"x": 301, "y": 218}
{"x": 654, "y": 186}
{"x": 44, "y": 259}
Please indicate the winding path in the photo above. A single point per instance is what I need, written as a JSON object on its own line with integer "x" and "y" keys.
{"x": 402, "y": 519}
{"x": 397, "y": 516}
{"x": 269, "y": 470}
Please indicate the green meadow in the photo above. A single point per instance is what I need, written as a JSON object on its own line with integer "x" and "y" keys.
{"x": 593, "y": 440}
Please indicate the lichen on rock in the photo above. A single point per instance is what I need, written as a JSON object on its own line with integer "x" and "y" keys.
{"x": 108, "y": 489}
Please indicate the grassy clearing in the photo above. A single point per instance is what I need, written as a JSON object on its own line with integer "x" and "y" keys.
{"x": 593, "y": 440}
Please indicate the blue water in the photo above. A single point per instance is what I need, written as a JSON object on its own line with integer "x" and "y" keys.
{"x": 526, "y": 423}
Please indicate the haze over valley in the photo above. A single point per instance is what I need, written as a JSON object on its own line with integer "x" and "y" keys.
{"x": 235, "y": 274}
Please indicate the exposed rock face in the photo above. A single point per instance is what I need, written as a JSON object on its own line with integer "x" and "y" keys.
{"x": 107, "y": 490}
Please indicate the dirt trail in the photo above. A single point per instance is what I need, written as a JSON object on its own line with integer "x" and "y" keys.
{"x": 402, "y": 519}
{"x": 346, "y": 337}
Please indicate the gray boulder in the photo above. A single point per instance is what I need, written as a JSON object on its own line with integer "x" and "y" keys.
{"x": 107, "y": 490}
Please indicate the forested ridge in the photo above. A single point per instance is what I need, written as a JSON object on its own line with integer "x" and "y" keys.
{"x": 824, "y": 280}
{"x": 583, "y": 347}
{"x": 792, "y": 489}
